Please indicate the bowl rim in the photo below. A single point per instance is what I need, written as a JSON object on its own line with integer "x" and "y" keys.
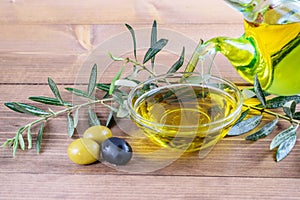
{"x": 228, "y": 119}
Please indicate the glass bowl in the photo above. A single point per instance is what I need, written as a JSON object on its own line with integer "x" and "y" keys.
{"x": 185, "y": 111}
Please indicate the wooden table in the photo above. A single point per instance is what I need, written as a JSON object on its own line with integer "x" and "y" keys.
{"x": 40, "y": 39}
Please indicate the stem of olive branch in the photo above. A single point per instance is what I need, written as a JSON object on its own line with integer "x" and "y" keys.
{"x": 273, "y": 113}
{"x": 142, "y": 66}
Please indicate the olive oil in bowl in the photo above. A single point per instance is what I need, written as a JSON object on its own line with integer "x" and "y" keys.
{"x": 181, "y": 113}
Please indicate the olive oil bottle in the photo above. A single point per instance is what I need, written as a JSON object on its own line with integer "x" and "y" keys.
{"x": 270, "y": 46}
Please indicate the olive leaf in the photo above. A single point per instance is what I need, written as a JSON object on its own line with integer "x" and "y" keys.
{"x": 92, "y": 81}
{"x": 76, "y": 117}
{"x": 247, "y": 94}
{"x": 16, "y": 140}
{"x": 125, "y": 82}
{"x": 109, "y": 118}
{"x": 245, "y": 126}
{"x": 115, "y": 58}
{"x": 116, "y": 77}
{"x": 54, "y": 89}
{"x": 29, "y": 137}
{"x": 80, "y": 93}
{"x": 297, "y": 115}
{"x": 279, "y": 101}
{"x": 289, "y": 108}
{"x": 283, "y": 136}
{"x": 285, "y": 147}
{"x": 123, "y": 110}
{"x": 39, "y": 138}
{"x": 263, "y": 131}
{"x": 259, "y": 92}
{"x": 176, "y": 66}
{"x": 103, "y": 87}
{"x": 71, "y": 127}
{"x": 93, "y": 119}
{"x": 25, "y": 108}
{"x": 133, "y": 39}
{"x": 195, "y": 58}
{"x": 152, "y": 51}
{"x": 242, "y": 116}
{"x": 50, "y": 101}
{"x": 21, "y": 142}
{"x": 153, "y": 40}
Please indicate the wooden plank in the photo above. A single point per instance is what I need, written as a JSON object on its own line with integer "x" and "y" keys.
{"x": 82, "y": 186}
{"x": 100, "y": 11}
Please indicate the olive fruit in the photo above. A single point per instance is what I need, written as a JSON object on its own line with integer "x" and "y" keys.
{"x": 84, "y": 151}
{"x": 116, "y": 151}
{"x": 97, "y": 133}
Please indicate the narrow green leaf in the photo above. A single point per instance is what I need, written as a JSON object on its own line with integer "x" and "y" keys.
{"x": 259, "y": 92}
{"x": 263, "y": 131}
{"x": 195, "y": 58}
{"x": 297, "y": 115}
{"x": 79, "y": 93}
{"x": 117, "y": 77}
{"x": 16, "y": 140}
{"x": 126, "y": 83}
{"x": 29, "y": 137}
{"x": 76, "y": 117}
{"x": 176, "y": 66}
{"x": 283, "y": 136}
{"x": 103, "y": 87}
{"x": 153, "y": 40}
{"x": 92, "y": 81}
{"x": 152, "y": 51}
{"x": 25, "y": 108}
{"x": 289, "y": 108}
{"x": 109, "y": 118}
{"x": 133, "y": 39}
{"x": 245, "y": 126}
{"x": 93, "y": 119}
{"x": 21, "y": 142}
{"x": 39, "y": 138}
{"x": 247, "y": 94}
{"x": 71, "y": 127}
{"x": 50, "y": 101}
{"x": 285, "y": 147}
{"x": 8, "y": 142}
{"x": 54, "y": 89}
{"x": 115, "y": 58}
{"x": 243, "y": 115}
{"x": 278, "y": 102}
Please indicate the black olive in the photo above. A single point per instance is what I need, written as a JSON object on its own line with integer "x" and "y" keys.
{"x": 116, "y": 151}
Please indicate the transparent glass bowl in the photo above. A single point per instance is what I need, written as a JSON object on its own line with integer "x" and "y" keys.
{"x": 185, "y": 110}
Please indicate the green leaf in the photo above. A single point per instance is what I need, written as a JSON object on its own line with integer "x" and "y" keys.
{"x": 92, "y": 81}
{"x": 289, "y": 108}
{"x": 152, "y": 51}
{"x": 297, "y": 115}
{"x": 29, "y": 137}
{"x": 76, "y": 117}
{"x": 8, "y": 142}
{"x": 133, "y": 39}
{"x": 71, "y": 127}
{"x": 278, "y": 102}
{"x": 25, "y": 108}
{"x": 109, "y": 118}
{"x": 54, "y": 89}
{"x": 195, "y": 58}
{"x": 50, "y": 101}
{"x": 21, "y": 142}
{"x": 263, "y": 131}
{"x": 93, "y": 119}
{"x": 285, "y": 147}
{"x": 178, "y": 63}
{"x": 16, "y": 140}
{"x": 245, "y": 126}
{"x": 153, "y": 40}
{"x": 126, "y": 83}
{"x": 247, "y": 94}
{"x": 80, "y": 93}
{"x": 39, "y": 138}
{"x": 243, "y": 115}
{"x": 103, "y": 87}
{"x": 117, "y": 76}
{"x": 283, "y": 136}
{"x": 259, "y": 92}
{"x": 115, "y": 58}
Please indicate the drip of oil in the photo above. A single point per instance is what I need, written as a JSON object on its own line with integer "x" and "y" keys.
{"x": 182, "y": 116}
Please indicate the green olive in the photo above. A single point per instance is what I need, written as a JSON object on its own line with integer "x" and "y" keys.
{"x": 97, "y": 133}
{"x": 84, "y": 151}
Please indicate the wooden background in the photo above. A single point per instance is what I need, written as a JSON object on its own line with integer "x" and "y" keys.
{"x": 40, "y": 39}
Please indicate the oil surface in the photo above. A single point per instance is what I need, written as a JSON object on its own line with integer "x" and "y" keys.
{"x": 177, "y": 115}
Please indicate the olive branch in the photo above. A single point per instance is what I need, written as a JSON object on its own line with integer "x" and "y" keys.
{"x": 283, "y": 141}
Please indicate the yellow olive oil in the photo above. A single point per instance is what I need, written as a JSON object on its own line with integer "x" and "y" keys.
{"x": 184, "y": 116}
{"x": 271, "y": 51}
